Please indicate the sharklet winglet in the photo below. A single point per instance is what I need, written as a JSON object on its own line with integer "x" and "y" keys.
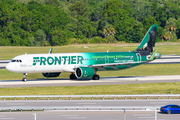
{"x": 152, "y": 58}
{"x": 50, "y": 51}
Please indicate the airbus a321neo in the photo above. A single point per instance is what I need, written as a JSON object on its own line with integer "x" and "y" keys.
{"x": 85, "y": 65}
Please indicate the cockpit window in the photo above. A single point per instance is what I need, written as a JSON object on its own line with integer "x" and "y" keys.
{"x": 16, "y": 60}
{"x": 13, "y": 61}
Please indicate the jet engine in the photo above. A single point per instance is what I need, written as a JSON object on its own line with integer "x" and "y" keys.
{"x": 84, "y": 72}
{"x": 51, "y": 74}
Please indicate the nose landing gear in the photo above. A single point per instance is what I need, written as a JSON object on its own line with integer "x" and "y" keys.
{"x": 24, "y": 79}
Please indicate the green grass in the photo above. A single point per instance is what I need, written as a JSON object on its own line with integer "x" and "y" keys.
{"x": 150, "y": 88}
{"x": 142, "y": 70}
{"x": 10, "y": 52}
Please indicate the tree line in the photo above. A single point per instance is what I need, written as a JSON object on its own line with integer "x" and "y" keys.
{"x": 62, "y": 22}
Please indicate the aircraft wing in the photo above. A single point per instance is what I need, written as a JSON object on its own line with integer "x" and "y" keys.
{"x": 112, "y": 65}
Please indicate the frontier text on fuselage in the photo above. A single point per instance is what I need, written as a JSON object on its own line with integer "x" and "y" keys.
{"x": 57, "y": 60}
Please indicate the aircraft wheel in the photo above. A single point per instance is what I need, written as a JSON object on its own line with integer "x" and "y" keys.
{"x": 72, "y": 77}
{"x": 168, "y": 112}
{"x": 95, "y": 77}
{"x": 24, "y": 79}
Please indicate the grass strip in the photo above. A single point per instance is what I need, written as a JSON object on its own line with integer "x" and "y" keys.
{"x": 149, "y": 88}
{"x": 8, "y": 52}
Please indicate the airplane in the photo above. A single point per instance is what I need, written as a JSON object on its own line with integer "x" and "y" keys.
{"x": 85, "y": 65}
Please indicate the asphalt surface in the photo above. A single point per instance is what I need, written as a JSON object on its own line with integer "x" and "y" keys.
{"x": 89, "y": 114}
{"x": 89, "y": 103}
{"x": 102, "y": 81}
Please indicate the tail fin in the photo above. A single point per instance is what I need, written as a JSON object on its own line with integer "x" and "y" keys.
{"x": 148, "y": 42}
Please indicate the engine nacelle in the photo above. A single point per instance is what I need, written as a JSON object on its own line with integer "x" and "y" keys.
{"x": 84, "y": 72}
{"x": 51, "y": 74}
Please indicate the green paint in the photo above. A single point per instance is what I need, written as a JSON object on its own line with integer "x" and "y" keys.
{"x": 146, "y": 38}
{"x": 64, "y": 59}
{"x": 69, "y": 59}
{"x": 42, "y": 60}
{"x": 152, "y": 58}
{"x": 79, "y": 60}
{"x": 50, "y": 60}
{"x": 57, "y": 60}
{"x": 35, "y": 59}
{"x": 73, "y": 60}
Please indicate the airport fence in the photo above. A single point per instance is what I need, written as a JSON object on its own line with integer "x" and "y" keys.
{"x": 90, "y": 97}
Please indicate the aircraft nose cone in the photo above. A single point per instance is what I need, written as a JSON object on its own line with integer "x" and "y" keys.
{"x": 8, "y": 67}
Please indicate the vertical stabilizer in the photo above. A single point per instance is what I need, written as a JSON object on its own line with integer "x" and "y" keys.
{"x": 148, "y": 42}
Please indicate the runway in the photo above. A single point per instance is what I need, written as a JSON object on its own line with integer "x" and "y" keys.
{"x": 102, "y": 81}
{"x": 89, "y": 114}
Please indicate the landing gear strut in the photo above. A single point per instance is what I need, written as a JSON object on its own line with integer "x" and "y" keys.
{"x": 72, "y": 76}
{"x": 95, "y": 77}
{"x": 24, "y": 79}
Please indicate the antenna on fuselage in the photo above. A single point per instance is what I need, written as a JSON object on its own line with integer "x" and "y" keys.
{"x": 107, "y": 51}
{"x": 25, "y": 53}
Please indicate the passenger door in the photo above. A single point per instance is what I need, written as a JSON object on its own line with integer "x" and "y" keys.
{"x": 30, "y": 66}
{"x": 138, "y": 57}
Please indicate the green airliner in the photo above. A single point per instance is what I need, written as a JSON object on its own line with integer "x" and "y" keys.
{"x": 85, "y": 65}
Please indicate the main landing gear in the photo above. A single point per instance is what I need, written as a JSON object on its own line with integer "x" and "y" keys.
{"x": 24, "y": 79}
{"x": 72, "y": 76}
{"x": 95, "y": 77}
